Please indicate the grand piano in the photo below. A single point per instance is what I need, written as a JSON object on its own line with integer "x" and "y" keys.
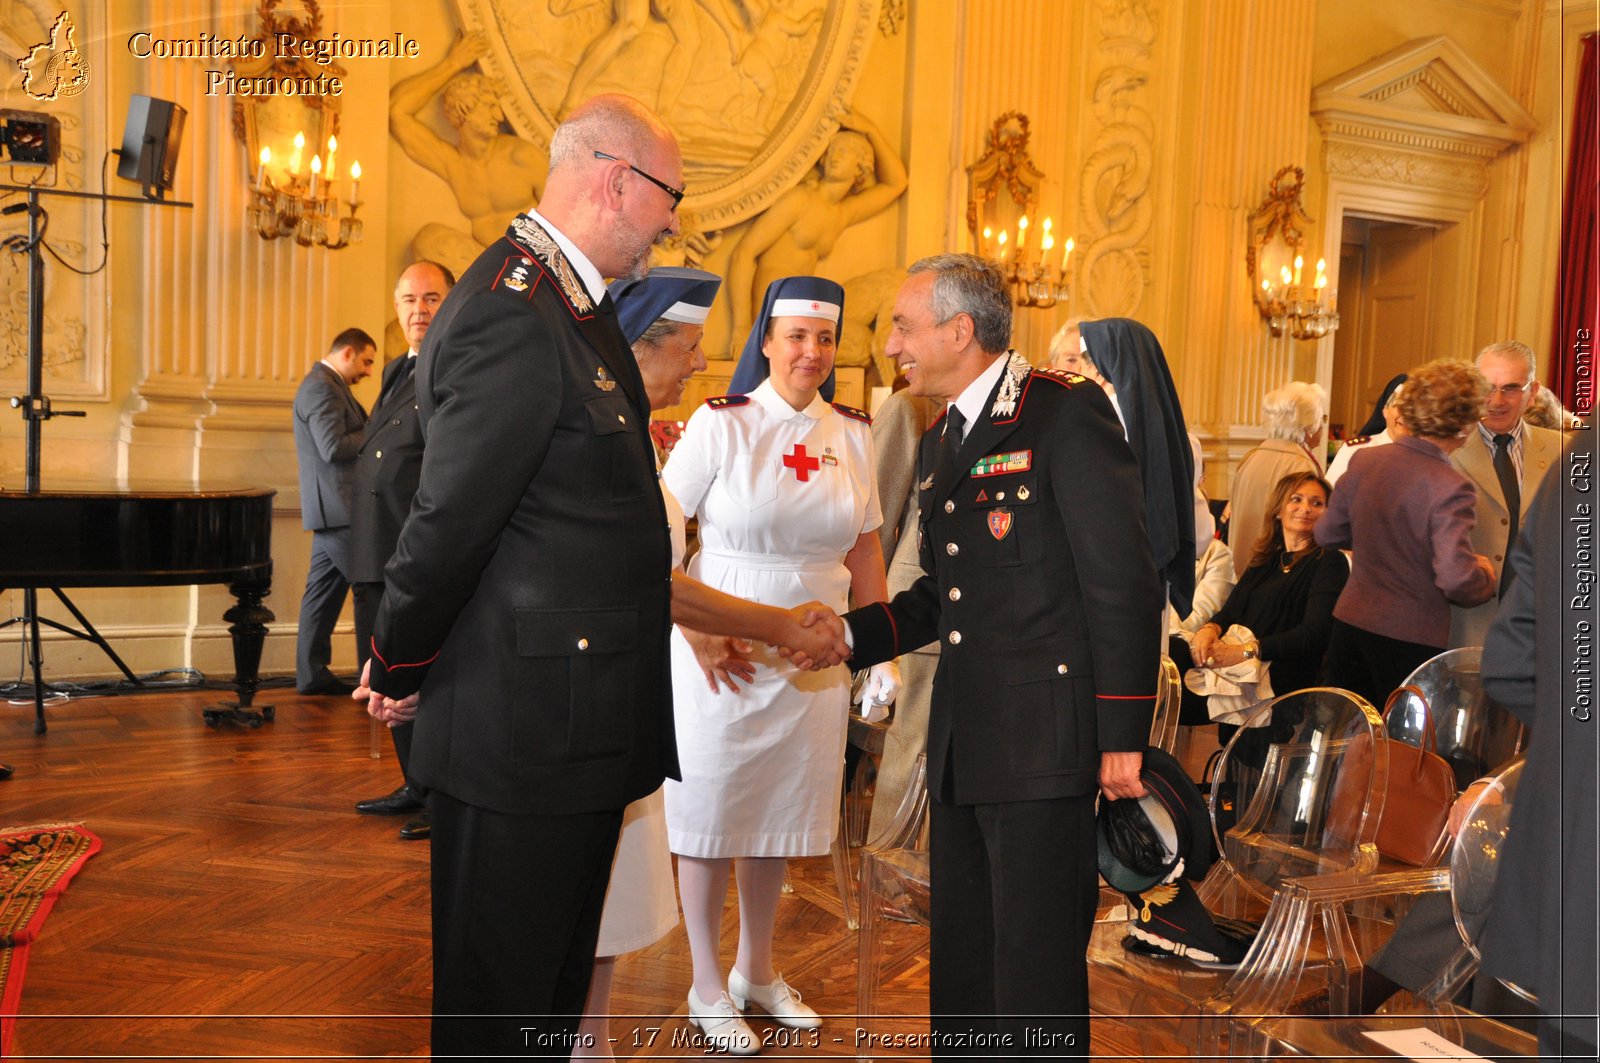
{"x": 142, "y": 535}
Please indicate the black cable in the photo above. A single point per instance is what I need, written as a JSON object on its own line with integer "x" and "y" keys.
{"x": 105, "y": 234}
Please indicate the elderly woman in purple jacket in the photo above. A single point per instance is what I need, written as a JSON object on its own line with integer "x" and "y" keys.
{"x": 1407, "y": 516}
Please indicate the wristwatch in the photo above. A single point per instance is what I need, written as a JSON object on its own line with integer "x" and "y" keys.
{"x": 1250, "y": 651}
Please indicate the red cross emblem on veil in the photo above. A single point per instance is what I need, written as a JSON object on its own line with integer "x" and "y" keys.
{"x": 802, "y": 463}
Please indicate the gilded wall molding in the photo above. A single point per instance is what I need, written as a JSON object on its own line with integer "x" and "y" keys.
{"x": 1114, "y": 183}
{"x": 1454, "y": 175}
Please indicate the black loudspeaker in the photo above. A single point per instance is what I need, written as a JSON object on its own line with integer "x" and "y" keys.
{"x": 150, "y": 142}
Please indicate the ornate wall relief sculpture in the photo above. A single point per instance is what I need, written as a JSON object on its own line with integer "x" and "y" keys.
{"x": 754, "y": 90}
{"x": 1115, "y": 181}
{"x": 46, "y": 48}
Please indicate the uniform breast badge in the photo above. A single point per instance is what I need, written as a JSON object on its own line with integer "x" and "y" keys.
{"x": 601, "y": 381}
{"x": 1023, "y": 494}
{"x": 828, "y": 457}
{"x": 925, "y": 484}
{"x": 999, "y": 464}
{"x": 999, "y": 523}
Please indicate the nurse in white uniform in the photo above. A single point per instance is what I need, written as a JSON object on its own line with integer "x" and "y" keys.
{"x": 782, "y": 482}
{"x": 663, "y": 317}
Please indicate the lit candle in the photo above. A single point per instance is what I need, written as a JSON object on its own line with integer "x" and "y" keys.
{"x": 1298, "y": 263}
{"x": 316, "y": 171}
{"x": 355, "y": 183}
{"x": 1022, "y": 233}
{"x": 1066, "y": 255}
{"x": 1322, "y": 274}
{"x": 265, "y": 159}
{"x": 294, "y": 156}
{"x": 333, "y": 146}
{"x": 988, "y": 235}
{"x": 1002, "y": 245}
{"x": 1288, "y": 277}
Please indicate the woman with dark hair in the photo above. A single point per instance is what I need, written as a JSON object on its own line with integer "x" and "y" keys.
{"x": 1285, "y": 596}
{"x": 1407, "y": 514}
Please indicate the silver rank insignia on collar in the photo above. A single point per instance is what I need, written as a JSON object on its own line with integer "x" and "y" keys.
{"x": 1017, "y": 370}
{"x": 924, "y": 485}
{"x": 601, "y": 381}
{"x": 548, "y": 252}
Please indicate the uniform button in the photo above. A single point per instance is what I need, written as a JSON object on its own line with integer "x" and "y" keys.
{"x": 1061, "y": 669}
{"x": 952, "y": 549}
{"x": 1000, "y": 496}
{"x": 621, "y": 419}
{"x": 955, "y": 638}
{"x": 949, "y": 507}
{"x": 955, "y": 594}
{"x": 583, "y": 644}
{"x": 379, "y": 454}
{"x": 395, "y": 421}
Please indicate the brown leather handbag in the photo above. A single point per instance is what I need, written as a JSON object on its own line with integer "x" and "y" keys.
{"x": 1418, "y": 787}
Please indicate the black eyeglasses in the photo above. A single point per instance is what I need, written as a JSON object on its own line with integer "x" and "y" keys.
{"x": 675, "y": 193}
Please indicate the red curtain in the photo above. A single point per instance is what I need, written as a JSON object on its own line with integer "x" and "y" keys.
{"x": 1578, "y": 300}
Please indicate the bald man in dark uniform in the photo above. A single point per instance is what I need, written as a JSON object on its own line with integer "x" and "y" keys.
{"x": 528, "y": 598}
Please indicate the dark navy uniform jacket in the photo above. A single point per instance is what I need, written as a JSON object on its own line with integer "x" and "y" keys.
{"x": 1040, "y": 584}
{"x": 529, "y": 595}
{"x": 388, "y": 468}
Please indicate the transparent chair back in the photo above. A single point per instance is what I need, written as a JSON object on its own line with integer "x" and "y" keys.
{"x": 1475, "y": 735}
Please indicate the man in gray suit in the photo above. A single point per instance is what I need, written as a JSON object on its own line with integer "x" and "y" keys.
{"x": 1505, "y": 459}
{"x": 328, "y": 428}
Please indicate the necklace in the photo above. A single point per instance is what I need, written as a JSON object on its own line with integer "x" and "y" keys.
{"x": 1287, "y": 560}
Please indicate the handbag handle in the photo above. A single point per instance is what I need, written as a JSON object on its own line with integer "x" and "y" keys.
{"x": 1430, "y": 740}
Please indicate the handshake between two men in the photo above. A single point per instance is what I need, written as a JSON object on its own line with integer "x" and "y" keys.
{"x": 810, "y": 636}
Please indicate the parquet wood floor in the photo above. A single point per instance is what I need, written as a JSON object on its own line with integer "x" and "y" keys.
{"x": 241, "y": 909}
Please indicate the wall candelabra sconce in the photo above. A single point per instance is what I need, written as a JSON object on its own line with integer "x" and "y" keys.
{"x": 291, "y": 195}
{"x": 1275, "y": 261}
{"x": 307, "y": 209}
{"x": 1002, "y": 198}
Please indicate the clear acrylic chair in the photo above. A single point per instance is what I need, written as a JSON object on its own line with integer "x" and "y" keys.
{"x": 1475, "y": 735}
{"x": 895, "y": 886}
{"x": 1292, "y": 797}
{"x": 866, "y": 741}
{"x": 1169, "y": 700}
{"x": 1469, "y": 878}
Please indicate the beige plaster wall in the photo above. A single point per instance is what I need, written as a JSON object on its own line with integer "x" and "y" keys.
{"x": 207, "y": 329}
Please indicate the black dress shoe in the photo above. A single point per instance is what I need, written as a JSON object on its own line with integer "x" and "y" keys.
{"x": 418, "y": 828}
{"x": 330, "y": 688}
{"x": 398, "y": 803}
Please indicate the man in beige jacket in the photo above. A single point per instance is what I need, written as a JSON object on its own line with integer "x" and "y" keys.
{"x": 1505, "y": 459}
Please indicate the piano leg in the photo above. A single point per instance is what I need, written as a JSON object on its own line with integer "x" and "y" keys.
{"x": 30, "y": 606}
{"x": 247, "y": 623}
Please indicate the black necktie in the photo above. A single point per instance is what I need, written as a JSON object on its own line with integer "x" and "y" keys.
{"x": 945, "y": 466}
{"x": 401, "y": 375}
{"x": 1507, "y": 472}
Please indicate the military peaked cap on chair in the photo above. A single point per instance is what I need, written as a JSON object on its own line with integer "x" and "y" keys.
{"x": 788, "y": 297}
{"x": 1149, "y": 850}
{"x": 674, "y": 293}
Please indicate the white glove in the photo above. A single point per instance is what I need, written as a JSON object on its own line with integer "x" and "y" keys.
{"x": 878, "y": 691}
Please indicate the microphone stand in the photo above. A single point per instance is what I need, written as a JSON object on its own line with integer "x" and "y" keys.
{"x": 36, "y": 410}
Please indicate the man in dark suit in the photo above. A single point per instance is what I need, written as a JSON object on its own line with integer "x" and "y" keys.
{"x": 1538, "y": 663}
{"x": 328, "y": 425}
{"x": 528, "y": 597}
{"x": 388, "y": 466}
{"x": 1040, "y": 584}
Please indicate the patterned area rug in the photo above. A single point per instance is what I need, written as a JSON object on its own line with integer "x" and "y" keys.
{"x": 36, "y": 863}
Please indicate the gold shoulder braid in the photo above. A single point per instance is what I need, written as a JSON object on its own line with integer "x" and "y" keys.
{"x": 548, "y": 252}
{"x": 1017, "y": 370}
